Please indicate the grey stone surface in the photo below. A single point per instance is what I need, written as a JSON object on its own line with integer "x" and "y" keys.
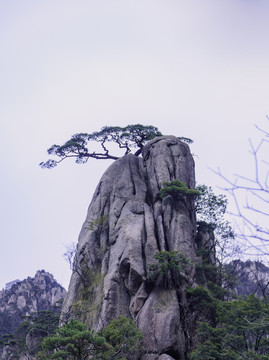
{"x": 34, "y": 340}
{"x": 164, "y": 357}
{"x": 159, "y": 320}
{"x": 136, "y": 224}
{"x": 253, "y": 278}
{"x": 24, "y": 298}
{"x": 31, "y": 295}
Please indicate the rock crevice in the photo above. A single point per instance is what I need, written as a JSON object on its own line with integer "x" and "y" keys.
{"x": 136, "y": 224}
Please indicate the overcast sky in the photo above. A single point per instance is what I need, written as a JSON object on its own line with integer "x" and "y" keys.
{"x": 197, "y": 69}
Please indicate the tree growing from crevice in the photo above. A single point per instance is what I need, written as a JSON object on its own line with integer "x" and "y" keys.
{"x": 177, "y": 189}
{"x": 71, "y": 256}
{"x": 78, "y": 146}
{"x": 79, "y": 266}
{"x": 171, "y": 266}
{"x": 125, "y": 138}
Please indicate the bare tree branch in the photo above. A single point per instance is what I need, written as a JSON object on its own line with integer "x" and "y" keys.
{"x": 252, "y": 214}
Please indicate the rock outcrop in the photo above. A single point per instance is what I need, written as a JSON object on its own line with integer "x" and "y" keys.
{"x": 252, "y": 277}
{"x": 29, "y": 296}
{"x": 25, "y": 298}
{"x": 126, "y": 225}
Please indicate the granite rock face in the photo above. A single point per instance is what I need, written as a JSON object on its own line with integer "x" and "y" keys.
{"x": 252, "y": 278}
{"x": 31, "y": 295}
{"x": 25, "y": 298}
{"x": 126, "y": 225}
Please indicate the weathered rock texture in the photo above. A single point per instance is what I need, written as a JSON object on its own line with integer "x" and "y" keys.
{"x": 24, "y": 298}
{"x": 126, "y": 225}
{"x": 252, "y": 277}
{"x": 28, "y": 296}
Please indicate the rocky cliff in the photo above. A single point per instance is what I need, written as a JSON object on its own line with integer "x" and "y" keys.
{"x": 23, "y": 299}
{"x": 127, "y": 224}
{"x": 26, "y": 297}
{"x": 252, "y": 277}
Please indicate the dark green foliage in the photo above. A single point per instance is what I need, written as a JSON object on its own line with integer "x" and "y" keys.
{"x": 73, "y": 341}
{"x": 124, "y": 337}
{"x": 201, "y": 301}
{"x": 171, "y": 266}
{"x": 220, "y": 280}
{"x": 126, "y": 138}
{"x": 177, "y": 189}
{"x": 209, "y": 206}
{"x": 210, "y": 210}
{"x": 44, "y": 322}
{"x": 241, "y": 332}
{"x": 170, "y": 260}
{"x": 6, "y": 339}
{"x": 119, "y": 340}
{"x": 186, "y": 140}
{"x": 234, "y": 329}
{"x": 8, "y": 323}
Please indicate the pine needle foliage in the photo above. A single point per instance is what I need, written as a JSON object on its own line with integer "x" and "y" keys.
{"x": 177, "y": 189}
{"x": 78, "y": 146}
{"x": 120, "y": 340}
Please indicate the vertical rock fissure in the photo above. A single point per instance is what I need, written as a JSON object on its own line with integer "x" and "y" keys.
{"x": 144, "y": 241}
{"x": 172, "y": 168}
{"x": 119, "y": 211}
{"x": 183, "y": 306}
{"x": 139, "y": 225}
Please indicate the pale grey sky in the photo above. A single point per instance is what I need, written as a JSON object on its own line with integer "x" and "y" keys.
{"x": 192, "y": 68}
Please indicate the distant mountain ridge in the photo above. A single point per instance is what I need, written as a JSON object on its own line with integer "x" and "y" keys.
{"x": 252, "y": 277}
{"x": 26, "y": 299}
{"x": 28, "y": 296}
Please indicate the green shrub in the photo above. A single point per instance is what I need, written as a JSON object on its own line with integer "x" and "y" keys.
{"x": 171, "y": 265}
{"x": 119, "y": 340}
{"x": 177, "y": 189}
